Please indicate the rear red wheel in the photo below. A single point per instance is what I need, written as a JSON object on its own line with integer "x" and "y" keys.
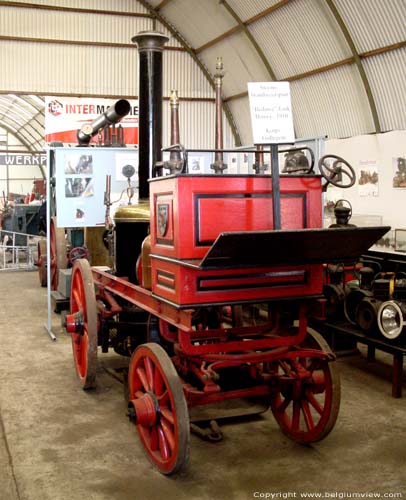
{"x": 42, "y": 262}
{"x": 82, "y": 323}
{"x": 158, "y": 406}
{"x": 306, "y": 408}
{"x": 58, "y": 252}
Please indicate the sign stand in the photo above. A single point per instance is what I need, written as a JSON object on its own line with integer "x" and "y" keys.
{"x": 272, "y": 124}
{"x": 276, "y": 192}
{"x": 48, "y": 326}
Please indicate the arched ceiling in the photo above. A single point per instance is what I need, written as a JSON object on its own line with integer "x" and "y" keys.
{"x": 23, "y": 117}
{"x": 345, "y": 59}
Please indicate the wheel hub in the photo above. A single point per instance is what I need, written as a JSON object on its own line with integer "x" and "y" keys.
{"x": 75, "y": 323}
{"x": 144, "y": 410}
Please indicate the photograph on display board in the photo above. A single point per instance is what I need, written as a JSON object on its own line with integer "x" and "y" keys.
{"x": 80, "y": 214}
{"x": 368, "y": 178}
{"x": 127, "y": 166}
{"x": 78, "y": 164}
{"x": 246, "y": 160}
{"x": 196, "y": 164}
{"x": 76, "y": 187}
{"x": 399, "y": 170}
{"x": 232, "y": 164}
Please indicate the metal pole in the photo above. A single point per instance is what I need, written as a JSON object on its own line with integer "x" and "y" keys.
{"x": 276, "y": 193}
{"x": 48, "y": 327}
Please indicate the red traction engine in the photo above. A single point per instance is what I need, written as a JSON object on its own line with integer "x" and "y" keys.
{"x": 211, "y": 253}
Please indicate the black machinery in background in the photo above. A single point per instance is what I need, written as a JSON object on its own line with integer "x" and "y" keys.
{"x": 370, "y": 294}
{"x": 19, "y": 217}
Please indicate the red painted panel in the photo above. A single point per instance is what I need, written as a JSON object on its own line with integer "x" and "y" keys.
{"x": 185, "y": 286}
{"x": 231, "y": 213}
{"x": 205, "y": 206}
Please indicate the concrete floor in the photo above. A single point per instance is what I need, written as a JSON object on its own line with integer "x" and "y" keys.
{"x": 58, "y": 442}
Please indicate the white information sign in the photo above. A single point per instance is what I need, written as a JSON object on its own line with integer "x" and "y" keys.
{"x": 65, "y": 115}
{"x": 271, "y": 112}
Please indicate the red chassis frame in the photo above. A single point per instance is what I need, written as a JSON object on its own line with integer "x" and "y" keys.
{"x": 280, "y": 362}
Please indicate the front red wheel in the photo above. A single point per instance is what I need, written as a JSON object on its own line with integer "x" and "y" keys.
{"x": 158, "y": 406}
{"x": 82, "y": 323}
{"x": 306, "y": 408}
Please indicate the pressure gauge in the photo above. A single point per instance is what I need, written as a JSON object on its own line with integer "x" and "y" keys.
{"x": 86, "y": 129}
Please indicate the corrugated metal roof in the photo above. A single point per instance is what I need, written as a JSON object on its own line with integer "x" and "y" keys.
{"x": 196, "y": 124}
{"x": 182, "y": 74}
{"x": 374, "y": 23}
{"x": 332, "y": 103}
{"x": 70, "y": 69}
{"x": 241, "y": 112}
{"x": 293, "y": 44}
{"x": 386, "y": 74}
{"x": 61, "y": 25}
{"x": 96, "y": 70}
{"x": 198, "y": 21}
{"x": 239, "y": 59}
{"x": 250, "y": 8}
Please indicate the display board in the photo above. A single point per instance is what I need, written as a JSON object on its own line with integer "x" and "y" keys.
{"x": 64, "y": 116}
{"x": 81, "y": 182}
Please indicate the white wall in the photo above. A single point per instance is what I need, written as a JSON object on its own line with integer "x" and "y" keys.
{"x": 380, "y": 153}
{"x": 21, "y": 178}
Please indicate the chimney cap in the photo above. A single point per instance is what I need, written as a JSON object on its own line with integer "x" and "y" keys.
{"x": 150, "y": 40}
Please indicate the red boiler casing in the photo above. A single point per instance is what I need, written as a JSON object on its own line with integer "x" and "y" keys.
{"x": 188, "y": 212}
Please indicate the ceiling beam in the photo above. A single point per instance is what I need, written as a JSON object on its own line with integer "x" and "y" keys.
{"x": 251, "y": 38}
{"x": 242, "y": 25}
{"x": 77, "y": 42}
{"x": 37, "y": 6}
{"x": 108, "y": 96}
{"x": 22, "y": 151}
{"x": 382, "y": 50}
{"x": 218, "y": 39}
{"x": 162, "y": 4}
{"x": 323, "y": 69}
{"x": 266, "y": 12}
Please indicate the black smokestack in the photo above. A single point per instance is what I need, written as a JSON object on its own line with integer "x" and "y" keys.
{"x": 150, "y": 48}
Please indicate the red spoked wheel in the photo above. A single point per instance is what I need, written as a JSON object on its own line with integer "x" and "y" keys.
{"x": 82, "y": 323}
{"x": 58, "y": 252}
{"x": 306, "y": 409}
{"x": 158, "y": 407}
{"x": 42, "y": 262}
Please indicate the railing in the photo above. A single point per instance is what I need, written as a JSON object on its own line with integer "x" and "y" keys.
{"x": 18, "y": 251}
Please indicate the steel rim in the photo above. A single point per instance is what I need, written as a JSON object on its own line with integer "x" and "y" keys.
{"x": 306, "y": 410}
{"x": 84, "y": 344}
{"x": 162, "y": 417}
{"x": 58, "y": 252}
